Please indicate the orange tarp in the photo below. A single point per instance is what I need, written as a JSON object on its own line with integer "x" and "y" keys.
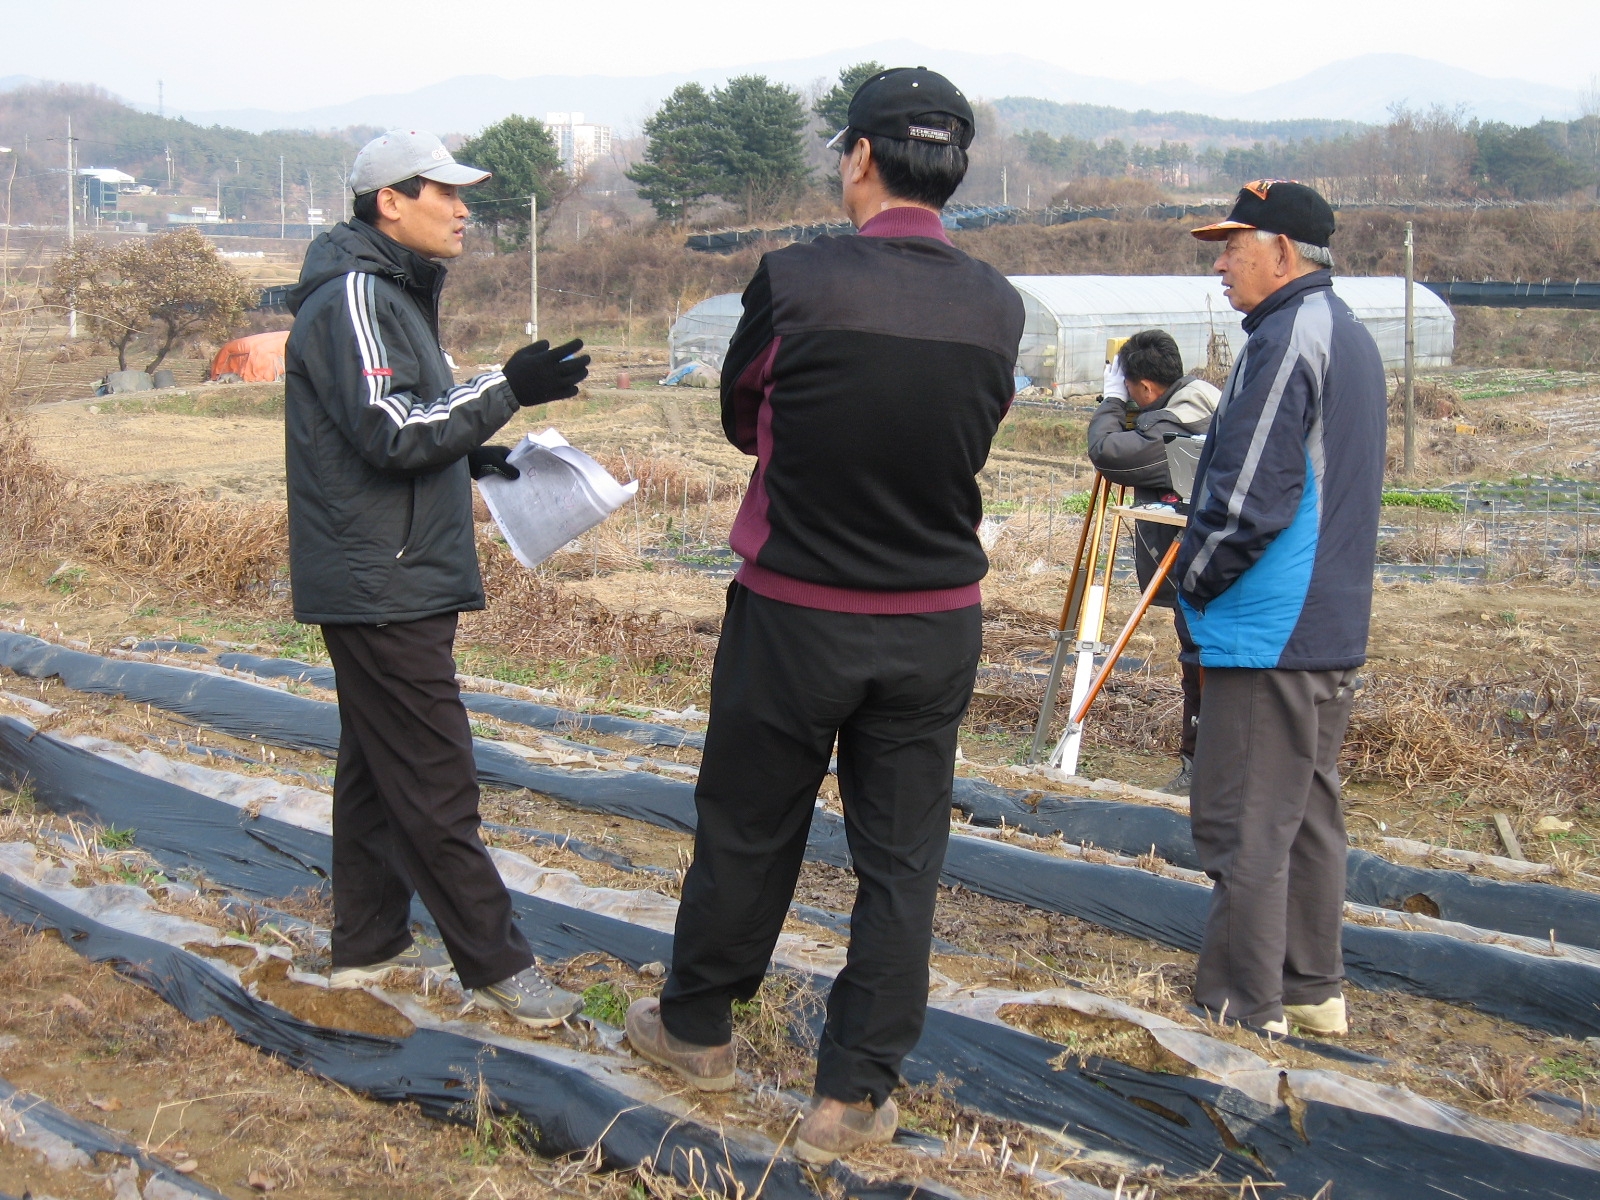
{"x": 254, "y": 359}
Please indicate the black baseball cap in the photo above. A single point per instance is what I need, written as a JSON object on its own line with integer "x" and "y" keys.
{"x": 898, "y": 102}
{"x": 1283, "y": 206}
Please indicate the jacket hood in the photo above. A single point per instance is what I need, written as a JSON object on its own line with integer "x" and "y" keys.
{"x": 356, "y": 246}
{"x": 1193, "y": 404}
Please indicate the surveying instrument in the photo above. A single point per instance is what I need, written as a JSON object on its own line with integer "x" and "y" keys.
{"x": 1083, "y": 613}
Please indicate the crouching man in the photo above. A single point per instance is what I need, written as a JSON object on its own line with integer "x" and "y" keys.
{"x": 1275, "y": 586}
{"x": 1148, "y": 399}
{"x": 383, "y": 445}
{"x": 867, "y": 376}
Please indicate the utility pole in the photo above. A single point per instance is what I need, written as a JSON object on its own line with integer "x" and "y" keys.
{"x": 5, "y": 254}
{"x": 167, "y": 150}
{"x": 1411, "y": 355}
{"x": 533, "y": 252}
{"x": 311, "y": 197}
{"x": 283, "y": 211}
{"x": 1005, "y": 187}
{"x": 344, "y": 179}
{"x": 72, "y": 203}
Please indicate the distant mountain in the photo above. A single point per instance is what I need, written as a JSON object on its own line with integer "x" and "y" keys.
{"x": 1022, "y": 114}
{"x": 1363, "y": 89}
{"x": 1357, "y": 89}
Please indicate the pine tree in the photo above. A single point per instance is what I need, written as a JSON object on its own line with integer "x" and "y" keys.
{"x": 764, "y": 163}
{"x": 684, "y": 159}
{"x": 525, "y": 162}
{"x": 833, "y": 109}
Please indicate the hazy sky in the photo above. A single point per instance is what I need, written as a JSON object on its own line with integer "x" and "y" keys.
{"x": 295, "y": 54}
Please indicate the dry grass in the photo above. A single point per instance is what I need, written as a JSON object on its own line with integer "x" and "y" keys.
{"x": 1526, "y": 738}
{"x": 205, "y": 548}
{"x": 186, "y": 1090}
{"x": 654, "y": 656}
{"x": 667, "y": 482}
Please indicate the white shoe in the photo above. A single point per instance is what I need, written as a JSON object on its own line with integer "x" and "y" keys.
{"x": 1278, "y": 1028}
{"x": 413, "y": 958}
{"x": 1327, "y": 1019}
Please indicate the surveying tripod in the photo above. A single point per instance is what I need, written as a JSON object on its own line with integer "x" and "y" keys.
{"x": 1084, "y": 613}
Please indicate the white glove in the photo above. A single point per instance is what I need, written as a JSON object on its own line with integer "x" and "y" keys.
{"x": 1116, "y": 384}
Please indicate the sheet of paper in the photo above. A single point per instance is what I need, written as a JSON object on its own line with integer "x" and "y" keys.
{"x": 561, "y": 494}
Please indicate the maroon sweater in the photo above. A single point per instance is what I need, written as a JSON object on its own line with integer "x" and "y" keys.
{"x": 867, "y": 376}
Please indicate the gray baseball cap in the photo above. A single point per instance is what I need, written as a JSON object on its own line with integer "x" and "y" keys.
{"x": 404, "y": 153}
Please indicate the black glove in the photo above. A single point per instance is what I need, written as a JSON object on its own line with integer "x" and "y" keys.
{"x": 491, "y": 460}
{"x": 538, "y": 374}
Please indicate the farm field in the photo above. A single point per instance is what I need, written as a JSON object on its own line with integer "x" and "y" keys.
{"x": 149, "y": 529}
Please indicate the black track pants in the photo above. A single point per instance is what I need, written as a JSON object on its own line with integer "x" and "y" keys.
{"x": 787, "y": 681}
{"x": 1265, "y": 810}
{"x": 405, "y": 805}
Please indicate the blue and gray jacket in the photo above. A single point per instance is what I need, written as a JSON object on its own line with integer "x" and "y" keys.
{"x": 1275, "y": 569}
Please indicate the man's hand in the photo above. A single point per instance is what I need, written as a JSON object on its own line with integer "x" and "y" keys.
{"x": 538, "y": 374}
{"x": 491, "y": 460}
{"x": 1115, "y": 384}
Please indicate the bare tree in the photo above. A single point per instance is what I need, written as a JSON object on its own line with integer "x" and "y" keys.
{"x": 167, "y": 290}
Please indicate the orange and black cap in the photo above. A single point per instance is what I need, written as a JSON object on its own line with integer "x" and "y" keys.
{"x": 1283, "y": 206}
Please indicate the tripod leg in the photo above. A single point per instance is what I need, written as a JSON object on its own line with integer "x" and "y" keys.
{"x": 1091, "y": 620}
{"x": 1071, "y": 611}
{"x": 1079, "y": 710}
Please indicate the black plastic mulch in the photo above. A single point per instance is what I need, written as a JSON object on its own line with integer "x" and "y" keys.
{"x": 1529, "y": 909}
{"x": 1553, "y": 994}
{"x": 1183, "y": 1124}
{"x": 96, "y": 1139}
{"x": 190, "y": 833}
{"x": 565, "y": 1110}
{"x": 506, "y": 708}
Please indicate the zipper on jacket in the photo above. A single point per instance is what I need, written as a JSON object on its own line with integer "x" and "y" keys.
{"x": 411, "y": 520}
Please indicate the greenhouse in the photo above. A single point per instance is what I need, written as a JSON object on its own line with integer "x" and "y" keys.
{"x": 1070, "y": 317}
{"x": 702, "y": 334}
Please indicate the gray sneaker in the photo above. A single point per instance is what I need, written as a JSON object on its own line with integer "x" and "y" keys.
{"x": 413, "y": 958}
{"x": 529, "y": 997}
{"x": 1178, "y": 785}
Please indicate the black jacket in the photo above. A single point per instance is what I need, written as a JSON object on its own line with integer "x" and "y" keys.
{"x": 1135, "y": 454}
{"x": 867, "y": 376}
{"x": 380, "y": 498}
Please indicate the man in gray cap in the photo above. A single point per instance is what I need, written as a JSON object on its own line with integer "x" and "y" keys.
{"x": 382, "y": 447}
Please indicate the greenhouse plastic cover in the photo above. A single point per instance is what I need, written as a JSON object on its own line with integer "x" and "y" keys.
{"x": 1070, "y": 317}
{"x": 702, "y": 334}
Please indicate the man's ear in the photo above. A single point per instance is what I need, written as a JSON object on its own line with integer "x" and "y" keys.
{"x": 1287, "y": 258}
{"x": 388, "y": 204}
{"x": 860, "y": 161}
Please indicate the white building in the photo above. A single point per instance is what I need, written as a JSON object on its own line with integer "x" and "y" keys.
{"x": 578, "y": 143}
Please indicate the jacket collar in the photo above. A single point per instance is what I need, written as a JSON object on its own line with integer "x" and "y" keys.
{"x": 401, "y": 263}
{"x": 1288, "y": 293}
{"x": 905, "y": 221}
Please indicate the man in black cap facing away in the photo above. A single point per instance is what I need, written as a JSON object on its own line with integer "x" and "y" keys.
{"x": 382, "y": 447}
{"x": 867, "y": 377}
{"x": 1275, "y": 588}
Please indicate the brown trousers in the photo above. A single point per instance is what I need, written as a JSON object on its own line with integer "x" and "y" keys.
{"x": 1269, "y": 830}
